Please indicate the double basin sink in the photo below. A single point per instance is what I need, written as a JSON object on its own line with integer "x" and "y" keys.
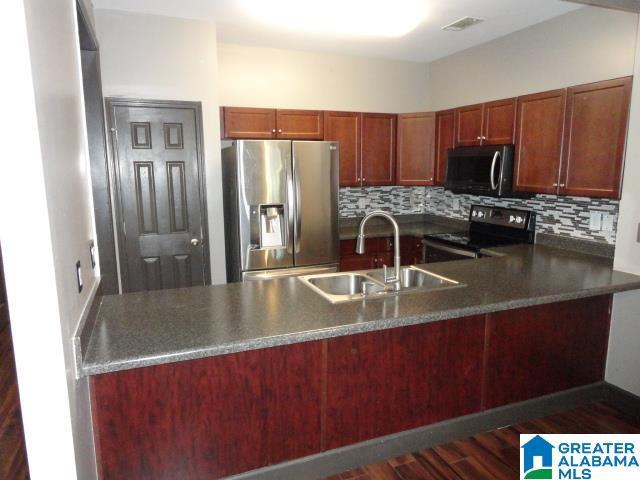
{"x": 350, "y": 286}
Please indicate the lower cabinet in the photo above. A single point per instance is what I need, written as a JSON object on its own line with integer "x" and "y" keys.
{"x": 219, "y": 416}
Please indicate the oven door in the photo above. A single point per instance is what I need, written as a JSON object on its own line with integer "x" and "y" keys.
{"x": 439, "y": 252}
{"x": 485, "y": 170}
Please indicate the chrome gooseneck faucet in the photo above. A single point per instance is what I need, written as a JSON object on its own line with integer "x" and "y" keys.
{"x": 395, "y": 278}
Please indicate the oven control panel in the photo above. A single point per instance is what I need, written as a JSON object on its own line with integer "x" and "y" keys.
{"x": 506, "y": 217}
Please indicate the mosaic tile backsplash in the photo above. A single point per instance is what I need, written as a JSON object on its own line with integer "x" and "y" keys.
{"x": 568, "y": 216}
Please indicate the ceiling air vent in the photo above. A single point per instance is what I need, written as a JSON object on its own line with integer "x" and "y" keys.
{"x": 464, "y": 22}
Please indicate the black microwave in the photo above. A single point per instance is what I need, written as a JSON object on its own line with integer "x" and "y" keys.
{"x": 482, "y": 170}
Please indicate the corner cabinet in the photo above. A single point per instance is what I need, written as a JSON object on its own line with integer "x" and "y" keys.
{"x": 595, "y": 132}
{"x": 267, "y": 123}
{"x": 445, "y": 139}
{"x": 416, "y": 149}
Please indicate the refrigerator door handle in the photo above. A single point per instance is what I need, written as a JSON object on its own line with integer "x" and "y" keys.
{"x": 298, "y": 217}
{"x": 291, "y": 213}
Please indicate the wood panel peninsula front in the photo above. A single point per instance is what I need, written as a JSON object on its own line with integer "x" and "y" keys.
{"x": 209, "y": 382}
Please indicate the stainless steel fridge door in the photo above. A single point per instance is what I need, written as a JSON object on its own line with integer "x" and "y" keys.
{"x": 315, "y": 179}
{"x": 264, "y": 179}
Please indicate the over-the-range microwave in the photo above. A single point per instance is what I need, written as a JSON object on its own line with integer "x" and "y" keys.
{"x": 481, "y": 170}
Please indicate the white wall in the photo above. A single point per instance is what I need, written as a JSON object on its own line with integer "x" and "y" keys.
{"x": 624, "y": 342}
{"x": 165, "y": 58}
{"x": 46, "y": 212}
{"x": 269, "y": 77}
{"x": 586, "y": 45}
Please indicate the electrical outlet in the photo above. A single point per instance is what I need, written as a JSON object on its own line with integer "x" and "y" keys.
{"x": 79, "y": 276}
{"x": 362, "y": 204}
{"x": 595, "y": 220}
{"x": 607, "y": 222}
{"x": 456, "y": 204}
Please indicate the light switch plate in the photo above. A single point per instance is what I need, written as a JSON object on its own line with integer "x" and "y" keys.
{"x": 607, "y": 222}
{"x": 595, "y": 220}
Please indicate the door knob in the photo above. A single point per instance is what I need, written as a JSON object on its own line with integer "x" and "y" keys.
{"x": 195, "y": 242}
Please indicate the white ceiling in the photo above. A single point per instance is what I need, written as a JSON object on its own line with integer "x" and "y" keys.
{"x": 426, "y": 43}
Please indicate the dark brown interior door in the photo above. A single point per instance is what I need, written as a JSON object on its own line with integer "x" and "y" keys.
{"x": 378, "y": 148}
{"x": 162, "y": 229}
{"x": 594, "y": 139}
{"x": 445, "y": 136}
{"x": 346, "y": 128}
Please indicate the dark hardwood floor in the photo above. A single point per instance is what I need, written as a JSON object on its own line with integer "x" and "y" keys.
{"x": 492, "y": 455}
{"x": 13, "y": 456}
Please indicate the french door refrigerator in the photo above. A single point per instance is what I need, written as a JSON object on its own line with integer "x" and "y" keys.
{"x": 280, "y": 208}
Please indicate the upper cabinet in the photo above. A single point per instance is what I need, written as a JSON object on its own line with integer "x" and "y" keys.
{"x": 571, "y": 141}
{"x": 485, "y": 124}
{"x": 594, "y": 140}
{"x": 378, "y": 148}
{"x": 498, "y": 122}
{"x": 468, "y": 125}
{"x": 346, "y": 128}
{"x": 445, "y": 139}
{"x": 539, "y": 127}
{"x": 268, "y": 123}
{"x": 416, "y": 149}
{"x": 300, "y": 124}
{"x": 249, "y": 122}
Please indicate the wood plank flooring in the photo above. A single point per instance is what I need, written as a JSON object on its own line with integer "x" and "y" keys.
{"x": 492, "y": 455}
{"x": 13, "y": 457}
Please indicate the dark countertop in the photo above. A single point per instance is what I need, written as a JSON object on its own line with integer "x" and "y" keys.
{"x": 148, "y": 328}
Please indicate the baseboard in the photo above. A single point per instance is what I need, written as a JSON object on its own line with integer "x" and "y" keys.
{"x": 626, "y": 402}
{"x": 376, "y": 450}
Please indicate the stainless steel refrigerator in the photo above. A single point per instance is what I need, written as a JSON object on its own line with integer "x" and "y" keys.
{"x": 280, "y": 208}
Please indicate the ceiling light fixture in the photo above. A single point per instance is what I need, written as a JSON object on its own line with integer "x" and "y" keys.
{"x": 375, "y": 18}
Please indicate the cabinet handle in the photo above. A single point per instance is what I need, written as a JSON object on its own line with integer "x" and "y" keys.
{"x": 562, "y": 185}
{"x": 279, "y": 130}
{"x": 478, "y": 138}
{"x": 273, "y": 131}
{"x": 555, "y": 184}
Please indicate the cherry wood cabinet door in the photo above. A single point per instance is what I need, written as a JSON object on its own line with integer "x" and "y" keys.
{"x": 416, "y": 149}
{"x": 499, "y": 122}
{"x": 249, "y": 123}
{"x": 393, "y": 380}
{"x": 544, "y": 349}
{"x": 594, "y": 140}
{"x": 209, "y": 418}
{"x": 350, "y": 263}
{"x": 411, "y": 250}
{"x": 378, "y": 148}
{"x": 346, "y": 128}
{"x": 445, "y": 139}
{"x": 468, "y": 125}
{"x": 300, "y": 124}
{"x": 539, "y": 130}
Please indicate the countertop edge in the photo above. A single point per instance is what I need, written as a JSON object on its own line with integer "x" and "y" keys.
{"x": 351, "y": 329}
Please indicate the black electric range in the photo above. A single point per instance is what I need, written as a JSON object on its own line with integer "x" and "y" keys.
{"x": 489, "y": 227}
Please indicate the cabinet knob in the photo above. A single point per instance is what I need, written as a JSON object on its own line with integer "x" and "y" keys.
{"x": 273, "y": 131}
{"x": 555, "y": 184}
{"x": 279, "y": 130}
{"x": 478, "y": 138}
{"x": 562, "y": 185}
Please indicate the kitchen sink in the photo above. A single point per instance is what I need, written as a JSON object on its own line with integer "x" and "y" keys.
{"x": 350, "y": 286}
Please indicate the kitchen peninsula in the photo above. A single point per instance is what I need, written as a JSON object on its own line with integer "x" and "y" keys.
{"x": 220, "y": 380}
